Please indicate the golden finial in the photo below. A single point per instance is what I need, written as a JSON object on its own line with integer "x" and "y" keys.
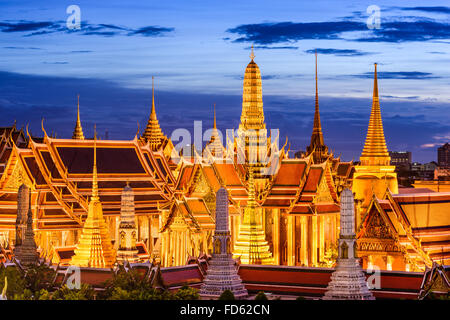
{"x": 94, "y": 169}
{"x": 375, "y": 84}
{"x": 153, "y": 111}
{"x": 252, "y": 55}
{"x": 215, "y": 126}
{"x": 78, "y": 131}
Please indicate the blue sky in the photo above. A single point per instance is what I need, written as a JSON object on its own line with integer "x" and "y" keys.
{"x": 198, "y": 50}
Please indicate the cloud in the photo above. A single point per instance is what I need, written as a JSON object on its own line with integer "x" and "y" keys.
{"x": 279, "y": 32}
{"x": 403, "y": 31}
{"x": 428, "y": 9}
{"x": 22, "y": 26}
{"x": 56, "y": 62}
{"x": 393, "y": 30}
{"x": 413, "y": 75}
{"x": 22, "y": 48}
{"x": 339, "y": 52}
{"x": 151, "y": 31}
{"x": 36, "y": 28}
{"x": 274, "y": 48}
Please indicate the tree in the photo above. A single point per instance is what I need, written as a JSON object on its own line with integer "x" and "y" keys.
{"x": 187, "y": 293}
{"x": 261, "y": 296}
{"x": 86, "y": 292}
{"x": 227, "y": 295}
{"x": 16, "y": 281}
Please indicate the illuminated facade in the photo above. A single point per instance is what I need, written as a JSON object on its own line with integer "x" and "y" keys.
{"x": 288, "y": 209}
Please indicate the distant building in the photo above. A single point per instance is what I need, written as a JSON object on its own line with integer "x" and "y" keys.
{"x": 444, "y": 155}
{"x": 400, "y": 159}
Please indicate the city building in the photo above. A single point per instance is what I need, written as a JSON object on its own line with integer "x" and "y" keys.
{"x": 444, "y": 155}
{"x": 401, "y": 159}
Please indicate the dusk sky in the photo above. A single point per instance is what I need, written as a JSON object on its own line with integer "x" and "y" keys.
{"x": 198, "y": 51}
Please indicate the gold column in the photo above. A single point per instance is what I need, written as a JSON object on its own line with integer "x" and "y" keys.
{"x": 290, "y": 242}
{"x": 321, "y": 238}
{"x": 314, "y": 240}
{"x": 304, "y": 240}
{"x": 276, "y": 235}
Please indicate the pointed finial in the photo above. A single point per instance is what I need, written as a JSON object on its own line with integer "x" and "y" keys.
{"x": 375, "y": 84}
{"x": 317, "y": 87}
{"x": 153, "y": 112}
{"x": 215, "y": 126}
{"x": 94, "y": 170}
{"x": 252, "y": 55}
{"x": 78, "y": 131}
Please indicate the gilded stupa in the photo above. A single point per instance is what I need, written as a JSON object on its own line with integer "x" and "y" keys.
{"x": 153, "y": 133}
{"x": 251, "y": 246}
{"x": 252, "y": 143}
{"x": 94, "y": 248}
{"x": 78, "y": 131}
{"x": 375, "y": 175}
{"x": 317, "y": 147}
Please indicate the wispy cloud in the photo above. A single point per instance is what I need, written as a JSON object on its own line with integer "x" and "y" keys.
{"x": 274, "y": 47}
{"x": 339, "y": 52}
{"x": 413, "y": 75}
{"x": 428, "y": 9}
{"x": 36, "y": 28}
{"x": 393, "y": 30}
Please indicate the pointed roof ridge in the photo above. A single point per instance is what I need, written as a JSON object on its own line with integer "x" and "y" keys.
{"x": 78, "y": 131}
{"x": 153, "y": 133}
{"x": 375, "y": 151}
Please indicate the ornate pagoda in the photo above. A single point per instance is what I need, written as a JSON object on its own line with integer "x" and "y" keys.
{"x": 222, "y": 272}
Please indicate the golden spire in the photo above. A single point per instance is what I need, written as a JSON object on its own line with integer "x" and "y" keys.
{"x": 153, "y": 133}
{"x": 94, "y": 196}
{"x": 252, "y": 116}
{"x": 375, "y": 151}
{"x": 215, "y": 125}
{"x": 78, "y": 131}
{"x": 317, "y": 146}
{"x": 94, "y": 248}
{"x": 251, "y": 245}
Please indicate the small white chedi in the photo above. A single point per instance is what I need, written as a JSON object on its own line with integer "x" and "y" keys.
{"x": 348, "y": 281}
{"x": 222, "y": 273}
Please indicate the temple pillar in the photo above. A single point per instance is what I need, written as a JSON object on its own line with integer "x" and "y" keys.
{"x": 304, "y": 240}
{"x": 321, "y": 238}
{"x": 290, "y": 242}
{"x": 276, "y": 235}
{"x": 314, "y": 240}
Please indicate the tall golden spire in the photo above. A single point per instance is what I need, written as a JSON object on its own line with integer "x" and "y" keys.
{"x": 251, "y": 245}
{"x": 317, "y": 146}
{"x": 252, "y": 116}
{"x": 94, "y": 248}
{"x": 153, "y": 133}
{"x": 375, "y": 151}
{"x": 95, "y": 196}
{"x": 215, "y": 125}
{"x": 78, "y": 131}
